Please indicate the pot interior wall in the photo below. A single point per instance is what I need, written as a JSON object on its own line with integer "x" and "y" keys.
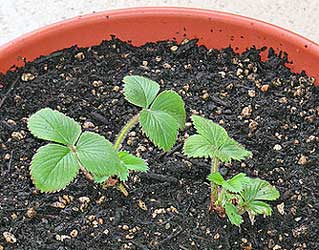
{"x": 141, "y": 25}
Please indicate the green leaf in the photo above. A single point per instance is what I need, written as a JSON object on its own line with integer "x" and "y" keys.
{"x": 53, "y": 167}
{"x": 252, "y": 195}
{"x": 213, "y": 132}
{"x": 197, "y": 146}
{"x": 54, "y": 126}
{"x": 132, "y": 162}
{"x": 140, "y": 91}
{"x": 160, "y": 127}
{"x": 216, "y": 178}
{"x": 213, "y": 141}
{"x": 267, "y": 192}
{"x": 260, "y": 207}
{"x": 170, "y": 102}
{"x": 97, "y": 156}
{"x": 236, "y": 184}
{"x": 232, "y": 150}
{"x": 232, "y": 214}
{"x": 258, "y": 189}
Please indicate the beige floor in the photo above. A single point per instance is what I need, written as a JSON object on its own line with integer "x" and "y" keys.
{"x": 20, "y": 16}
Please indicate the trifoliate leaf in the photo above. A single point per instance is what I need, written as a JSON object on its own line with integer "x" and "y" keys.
{"x": 54, "y": 126}
{"x": 140, "y": 91}
{"x": 53, "y": 167}
{"x": 197, "y": 146}
{"x": 97, "y": 156}
{"x": 232, "y": 214}
{"x": 236, "y": 184}
{"x": 160, "y": 127}
{"x": 232, "y": 150}
{"x": 252, "y": 195}
{"x": 213, "y": 141}
{"x": 259, "y": 207}
{"x": 216, "y": 178}
{"x": 132, "y": 162}
{"x": 258, "y": 189}
{"x": 213, "y": 132}
{"x": 171, "y": 103}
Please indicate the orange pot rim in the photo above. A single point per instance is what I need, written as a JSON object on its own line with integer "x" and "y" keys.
{"x": 149, "y": 10}
{"x": 21, "y": 43}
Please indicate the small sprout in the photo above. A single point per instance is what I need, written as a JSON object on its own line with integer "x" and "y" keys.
{"x": 162, "y": 115}
{"x": 238, "y": 194}
{"x": 213, "y": 141}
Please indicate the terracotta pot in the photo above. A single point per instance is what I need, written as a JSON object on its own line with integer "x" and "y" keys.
{"x": 141, "y": 25}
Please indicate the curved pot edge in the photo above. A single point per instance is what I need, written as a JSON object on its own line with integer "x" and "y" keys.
{"x": 22, "y": 42}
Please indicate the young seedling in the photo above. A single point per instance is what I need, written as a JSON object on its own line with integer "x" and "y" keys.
{"x": 239, "y": 194}
{"x": 162, "y": 115}
{"x": 55, "y": 165}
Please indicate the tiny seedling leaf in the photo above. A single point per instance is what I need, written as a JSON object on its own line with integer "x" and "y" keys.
{"x": 253, "y": 194}
{"x": 216, "y": 178}
{"x": 257, "y": 189}
{"x": 197, "y": 146}
{"x": 171, "y": 103}
{"x": 213, "y": 141}
{"x": 97, "y": 156}
{"x": 235, "y": 184}
{"x": 232, "y": 150}
{"x": 232, "y": 214}
{"x": 140, "y": 91}
{"x": 259, "y": 207}
{"x": 160, "y": 127}
{"x": 53, "y": 167}
{"x": 213, "y": 132}
{"x": 132, "y": 162}
{"x": 54, "y": 126}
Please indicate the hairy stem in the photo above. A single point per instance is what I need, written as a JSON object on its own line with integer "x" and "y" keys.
{"x": 214, "y": 169}
{"x": 119, "y": 139}
{"x": 87, "y": 175}
{"x": 124, "y": 131}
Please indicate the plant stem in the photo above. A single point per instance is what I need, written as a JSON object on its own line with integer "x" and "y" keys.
{"x": 87, "y": 175}
{"x": 214, "y": 169}
{"x": 119, "y": 139}
{"x": 124, "y": 131}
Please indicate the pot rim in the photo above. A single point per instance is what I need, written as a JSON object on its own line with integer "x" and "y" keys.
{"x": 304, "y": 51}
{"x": 152, "y": 10}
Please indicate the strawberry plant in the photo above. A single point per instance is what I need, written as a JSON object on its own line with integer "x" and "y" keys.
{"x": 55, "y": 165}
{"x": 238, "y": 194}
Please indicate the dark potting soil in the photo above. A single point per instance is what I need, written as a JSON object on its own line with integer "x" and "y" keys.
{"x": 273, "y": 112}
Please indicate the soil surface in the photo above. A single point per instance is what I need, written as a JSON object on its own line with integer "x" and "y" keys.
{"x": 273, "y": 112}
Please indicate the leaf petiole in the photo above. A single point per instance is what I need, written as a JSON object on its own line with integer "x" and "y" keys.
{"x": 87, "y": 175}
{"x": 214, "y": 187}
{"x": 124, "y": 131}
{"x": 215, "y": 169}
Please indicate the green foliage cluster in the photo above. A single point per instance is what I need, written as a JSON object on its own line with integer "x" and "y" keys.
{"x": 239, "y": 194}
{"x": 162, "y": 115}
{"x": 55, "y": 165}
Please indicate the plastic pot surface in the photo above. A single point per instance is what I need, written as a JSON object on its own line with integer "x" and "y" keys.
{"x": 140, "y": 25}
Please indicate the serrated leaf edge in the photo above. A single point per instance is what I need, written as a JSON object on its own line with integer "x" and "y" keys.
{"x": 55, "y": 191}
